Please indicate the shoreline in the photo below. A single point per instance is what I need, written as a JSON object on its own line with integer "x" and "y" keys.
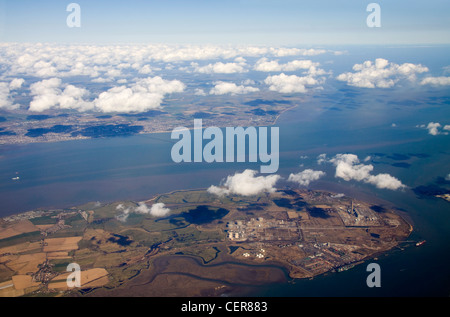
{"x": 42, "y": 139}
{"x": 277, "y": 257}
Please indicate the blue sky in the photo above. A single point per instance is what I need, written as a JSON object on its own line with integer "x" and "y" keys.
{"x": 273, "y": 22}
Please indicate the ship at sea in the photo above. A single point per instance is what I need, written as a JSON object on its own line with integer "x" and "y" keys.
{"x": 418, "y": 244}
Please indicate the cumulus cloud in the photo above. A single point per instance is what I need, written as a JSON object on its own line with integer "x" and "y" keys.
{"x": 434, "y": 128}
{"x": 305, "y": 177}
{"x": 123, "y": 217}
{"x": 124, "y": 99}
{"x": 385, "y": 181}
{"x": 145, "y": 70}
{"x": 6, "y": 101}
{"x": 264, "y": 65}
{"x": 348, "y": 167}
{"x": 102, "y": 80}
{"x": 108, "y": 64}
{"x": 290, "y": 84}
{"x": 223, "y": 88}
{"x": 284, "y": 51}
{"x": 54, "y": 60}
{"x": 156, "y": 210}
{"x": 49, "y": 93}
{"x": 322, "y": 158}
{"x": 246, "y": 184}
{"x": 145, "y": 94}
{"x": 108, "y": 61}
{"x": 220, "y": 68}
{"x": 16, "y": 83}
{"x": 381, "y": 73}
{"x": 159, "y": 210}
{"x": 199, "y": 92}
{"x": 436, "y": 81}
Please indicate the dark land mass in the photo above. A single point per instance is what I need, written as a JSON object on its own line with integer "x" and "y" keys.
{"x": 34, "y": 133}
{"x": 109, "y": 130}
{"x": 39, "y": 117}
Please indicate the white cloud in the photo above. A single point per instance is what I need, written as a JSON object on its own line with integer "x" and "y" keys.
{"x": 321, "y": 158}
{"x": 290, "y": 84}
{"x": 159, "y": 85}
{"x": 433, "y": 128}
{"x": 264, "y": 65}
{"x": 6, "y": 101}
{"x": 220, "y": 68}
{"x": 109, "y": 64}
{"x": 248, "y": 81}
{"x": 101, "y": 80}
{"x": 246, "y": 184}
{"x": 199, "y": 92}
{"x": 222, "y": 88}
{"x": 305, "y": 177}
{"x": 159, "y": 210}
{"x": 142, "y": 96}
{"x": 145, "y": 69}
{"x": 282, "y": 51}
{"x": 385, "y": 181}
{"x": 45, "y": 69}
{"x": 436, "y": 81}
{"x": 55, "y": 60}
{"x": 124, "y": 99}
{"x": 16, "y": 83}
{"x": 381, "y": 73}
{"x": 349, "y": 168}
{"x": 48, "y": 94}
{"x": 156, "y": 210}
{"x": 125, "y": 212}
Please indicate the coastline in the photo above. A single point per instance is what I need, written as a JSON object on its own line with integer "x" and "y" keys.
{"x": 54, "y": 138}
{"x": 225, "y": 259}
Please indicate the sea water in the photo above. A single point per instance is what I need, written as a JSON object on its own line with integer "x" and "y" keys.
{"x": 382, "y": 124}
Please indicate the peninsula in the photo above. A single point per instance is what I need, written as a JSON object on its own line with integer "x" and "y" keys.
{"x": 204, "y": 246}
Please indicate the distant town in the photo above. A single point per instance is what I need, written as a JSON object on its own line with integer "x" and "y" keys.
{"x": 21, "y": 126}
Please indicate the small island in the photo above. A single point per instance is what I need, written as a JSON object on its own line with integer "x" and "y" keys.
{"x": 204, "y": 246}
